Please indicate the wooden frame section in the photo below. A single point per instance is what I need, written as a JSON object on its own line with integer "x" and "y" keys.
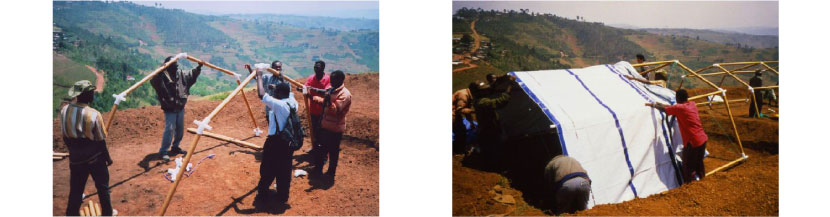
{"x": 203, "y": 124}
{"x": 111, "y": 115}
{"x": 689, "y": 73}
{"x": 241, "y": 143}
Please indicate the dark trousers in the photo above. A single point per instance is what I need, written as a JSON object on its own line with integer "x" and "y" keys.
{"x": 77, "y": 181}
{"x": 693, "y": 162}
{"x": 758, "y": 100}
{"x": 460, "y": 132}
{"x": 330, "y": 147}
{"x": 315, "y": 127}
{"x": 276, "y": 164}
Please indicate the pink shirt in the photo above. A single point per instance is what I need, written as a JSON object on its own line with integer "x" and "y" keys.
{"x": 324, "y": 83}
{"x": 690, "y": 128}
{"x": 334, "y": 119}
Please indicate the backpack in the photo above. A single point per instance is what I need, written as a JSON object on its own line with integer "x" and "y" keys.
{"x": 293, "y": 131}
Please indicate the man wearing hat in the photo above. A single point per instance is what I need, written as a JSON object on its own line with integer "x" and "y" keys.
{"x": 82, "y": 129}
{"x": 172, "y": 89}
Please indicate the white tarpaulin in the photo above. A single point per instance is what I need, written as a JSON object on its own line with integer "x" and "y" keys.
{"x": 629, "y": 149}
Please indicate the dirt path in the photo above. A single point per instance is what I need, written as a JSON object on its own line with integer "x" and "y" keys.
{"x": 224, "y": 185}
{"x": 476, "y": 45}
{"x": 476, "y": 37}
{"x": 99, "y": 78}
{"x": 471, "y": 66}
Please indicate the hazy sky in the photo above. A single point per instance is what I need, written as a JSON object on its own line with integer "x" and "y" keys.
{"x": 652, "y": 14}
{"x": 349, "y": 9}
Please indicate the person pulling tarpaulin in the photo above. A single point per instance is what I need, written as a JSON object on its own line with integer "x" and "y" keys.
{"x": 691, "y": 130}
{"x": 486, "y": 100}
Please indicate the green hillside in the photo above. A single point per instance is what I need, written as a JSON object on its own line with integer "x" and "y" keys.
{"x": 737, "y": 39}
{"x": 525, "y": 40}
{"x": 342, "y": 24}
{"x": 125, "y": 39}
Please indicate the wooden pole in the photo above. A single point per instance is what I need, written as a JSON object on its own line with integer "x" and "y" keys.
{"x": 695, "y": 73}
{"x": 241, "y": 143}
{"x": 98, "y": 209}
{"x": 196, "y": 140}
{"x": 727, "y": 165}
{"x": 767, "y": 87}
{"x": 228, "y": 72}
{"x": 60, "y": 154}
{"x": 85, "y": 211}
{"x": 655, "y": 68}
{"x": 111, "y": 116}
{"x": 91, "y": 208}
{"x": 705, "y": 95}
{"x": 734, "y": 127}
{"x": 653, "y": 63}
{"x": 56, "y": 158}
{"x": 178, "y": 176}
{"x": 770, "y": 68}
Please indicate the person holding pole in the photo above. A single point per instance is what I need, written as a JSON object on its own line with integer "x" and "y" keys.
{"x": 172, "y": 89}
{"x": 272, "y": 79}
{"x": 318, "y": 80}
{"x": 83, "y": 133}
{"x": 335, "y": 104}
{"x": 757, "y": 101}
{"x": 276, "y": 153}
{"x": 691, "y": 130}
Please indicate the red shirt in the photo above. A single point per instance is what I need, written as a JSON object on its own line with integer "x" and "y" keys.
{"x": 317, "y": 109}
{"x": 690, "y": 128}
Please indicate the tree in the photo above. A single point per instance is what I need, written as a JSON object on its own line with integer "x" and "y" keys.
{"x": 466, "y": 39}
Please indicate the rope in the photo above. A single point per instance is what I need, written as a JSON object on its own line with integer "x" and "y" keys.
{"x": 166, "y": 176}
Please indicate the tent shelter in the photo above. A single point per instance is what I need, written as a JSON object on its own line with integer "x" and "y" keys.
{"x": 598, "y": 117}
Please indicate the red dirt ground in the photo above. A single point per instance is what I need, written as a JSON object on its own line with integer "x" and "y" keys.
{"x": 750, "y": 188}
{"x": 225, "y": 184}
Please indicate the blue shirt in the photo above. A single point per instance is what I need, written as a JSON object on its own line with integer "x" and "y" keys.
{"x": 269, "y": 78}
{"x": 279, "y": 109}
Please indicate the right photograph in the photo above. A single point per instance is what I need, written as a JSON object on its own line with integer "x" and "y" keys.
{"x": 615, "y": 108}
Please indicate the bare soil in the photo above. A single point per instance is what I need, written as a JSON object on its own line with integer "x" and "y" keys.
{"x": 225, "y": 185}
{"x": 749, "y": 188}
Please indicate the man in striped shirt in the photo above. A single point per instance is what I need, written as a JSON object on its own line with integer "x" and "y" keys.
{"x": 83, "y": 133}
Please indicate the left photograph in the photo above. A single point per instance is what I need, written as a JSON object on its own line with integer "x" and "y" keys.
{"x": 215, "y": 108}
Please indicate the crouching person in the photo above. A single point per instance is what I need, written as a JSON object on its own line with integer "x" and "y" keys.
{"x": 83, "y": 133}
{"x": 569, "y": 183}
{"x": 276, "y": 152}
{"x": 336, "y": 104}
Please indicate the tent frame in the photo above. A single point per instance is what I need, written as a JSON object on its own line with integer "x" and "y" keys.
{"x": 203, "y": 124}
{"x": 122, "y": 96}
{"x": 741, "y": 68}
{"x": 688, "y": 72}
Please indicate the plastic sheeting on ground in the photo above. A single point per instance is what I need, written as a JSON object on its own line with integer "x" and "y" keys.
{"x": 629, "y": 149}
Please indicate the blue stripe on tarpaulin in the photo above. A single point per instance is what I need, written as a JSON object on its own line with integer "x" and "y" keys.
{"x": 545, "y": 110}
{"x": 671, "y": 101}
{"x": 665, "y": 135}
{"x": 619, "y": 129}
{"x": 671, "y": 150}
{"x": 629, "y": 83}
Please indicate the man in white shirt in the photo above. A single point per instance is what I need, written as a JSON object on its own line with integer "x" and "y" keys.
{"x": 276, "y": 154}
